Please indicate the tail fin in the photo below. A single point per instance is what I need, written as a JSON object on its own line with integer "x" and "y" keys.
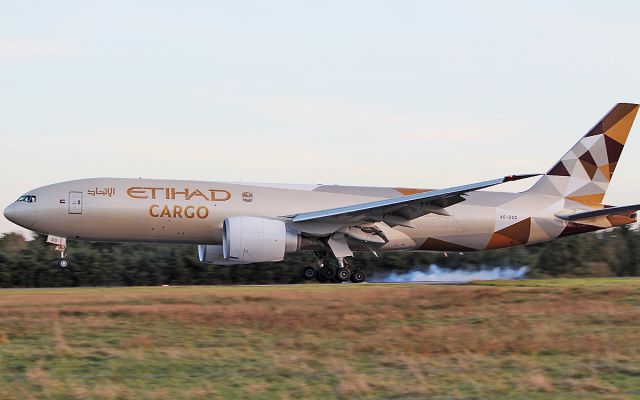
{"x": 584, "y": 173}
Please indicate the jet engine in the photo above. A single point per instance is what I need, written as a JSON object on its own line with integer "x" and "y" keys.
{"x": 254, "y": 239}
{"x": 247, "y": 240}
{"x": 212, "y": 254}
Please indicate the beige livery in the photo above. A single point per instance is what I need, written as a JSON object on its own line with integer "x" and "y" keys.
{"x": 241, "y": 223}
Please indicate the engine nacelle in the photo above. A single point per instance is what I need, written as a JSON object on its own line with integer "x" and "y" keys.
{"x": 247, "y": 240}
{"x": 213, "y": 254}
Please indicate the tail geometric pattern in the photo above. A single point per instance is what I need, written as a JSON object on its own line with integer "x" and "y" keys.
{"x": 584, "y": 173}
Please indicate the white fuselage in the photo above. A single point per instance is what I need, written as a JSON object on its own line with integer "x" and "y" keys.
{"x": 172, "y": 211}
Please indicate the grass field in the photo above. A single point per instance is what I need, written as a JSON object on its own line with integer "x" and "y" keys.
{"x": 573, "y": 339}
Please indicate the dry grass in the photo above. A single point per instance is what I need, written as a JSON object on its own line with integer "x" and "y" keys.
{"x": 323, "y": 341}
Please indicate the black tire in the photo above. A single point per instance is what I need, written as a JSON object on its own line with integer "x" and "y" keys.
{"x": 320, "y": 274}
{"x": 325, "y": 274}
{"x": 343, "y": 274}
{"x": 63, "y": 263}
{"x": 308, "y": 273}
{"x": 358, "y": 276}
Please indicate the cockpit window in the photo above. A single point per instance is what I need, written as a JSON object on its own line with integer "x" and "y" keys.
{"x": 27, "y": 199}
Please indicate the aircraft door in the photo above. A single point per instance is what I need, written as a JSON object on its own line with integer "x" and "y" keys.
{"x": 75, "y": 202}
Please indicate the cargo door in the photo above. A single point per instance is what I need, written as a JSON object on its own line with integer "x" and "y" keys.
{"x": 75, "y": 202}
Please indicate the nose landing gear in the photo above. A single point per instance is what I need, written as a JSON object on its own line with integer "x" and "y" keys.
{"x": 61, "y": 246}
{"x": 63, "y": 263}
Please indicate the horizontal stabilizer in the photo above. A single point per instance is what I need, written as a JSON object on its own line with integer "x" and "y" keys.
{"x": 598, "y": 213}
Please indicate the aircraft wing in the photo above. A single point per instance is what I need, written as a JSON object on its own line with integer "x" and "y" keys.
{"x": 401, "y": 210}
{"x": 598, "y": 213}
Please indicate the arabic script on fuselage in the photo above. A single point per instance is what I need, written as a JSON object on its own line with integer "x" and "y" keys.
{"x": 110, "y": 192}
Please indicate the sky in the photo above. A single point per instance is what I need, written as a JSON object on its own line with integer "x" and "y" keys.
{"x": 381, "y": 93}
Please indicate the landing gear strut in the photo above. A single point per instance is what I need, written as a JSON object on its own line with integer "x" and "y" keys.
{"x": 62, "y": 262}
{"x": 323, "y": 274}
{"x": 61, "y": 246}
{"x": 343, "y": 273}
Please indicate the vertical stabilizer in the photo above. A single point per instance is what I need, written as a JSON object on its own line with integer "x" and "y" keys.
{"x": 584, "y": 173}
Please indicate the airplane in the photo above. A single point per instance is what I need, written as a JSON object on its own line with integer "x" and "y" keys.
{"x": 242, "y": 223}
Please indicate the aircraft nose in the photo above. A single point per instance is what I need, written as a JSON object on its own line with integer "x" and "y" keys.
{"x": 10, "y": 213}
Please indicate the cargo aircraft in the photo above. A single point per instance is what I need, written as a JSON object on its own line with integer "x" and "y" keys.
{"x": 241, "y": 223}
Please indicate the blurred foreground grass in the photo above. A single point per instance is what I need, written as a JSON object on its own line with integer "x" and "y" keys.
{"x": 571, "y": 339}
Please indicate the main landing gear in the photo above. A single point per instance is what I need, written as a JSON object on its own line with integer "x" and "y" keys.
{"x": 326, "y": 274}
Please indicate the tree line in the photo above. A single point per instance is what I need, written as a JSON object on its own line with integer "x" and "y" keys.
{"x": 32, "y": 263}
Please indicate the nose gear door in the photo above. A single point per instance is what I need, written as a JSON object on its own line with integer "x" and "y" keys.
{"x": 75, "y": 202}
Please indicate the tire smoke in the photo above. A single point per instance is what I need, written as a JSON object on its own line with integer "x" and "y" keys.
{"x": 435, "y": 273}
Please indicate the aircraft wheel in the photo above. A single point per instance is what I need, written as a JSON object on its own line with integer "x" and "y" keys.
{"x": 320, "y": 275}
{"x": 343, "y": 274}
{"x": 308, "y": 273}
{"x": 358, "y": 276}
{"x": 63, "y": 263}
{"x": 325, "y": 274}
